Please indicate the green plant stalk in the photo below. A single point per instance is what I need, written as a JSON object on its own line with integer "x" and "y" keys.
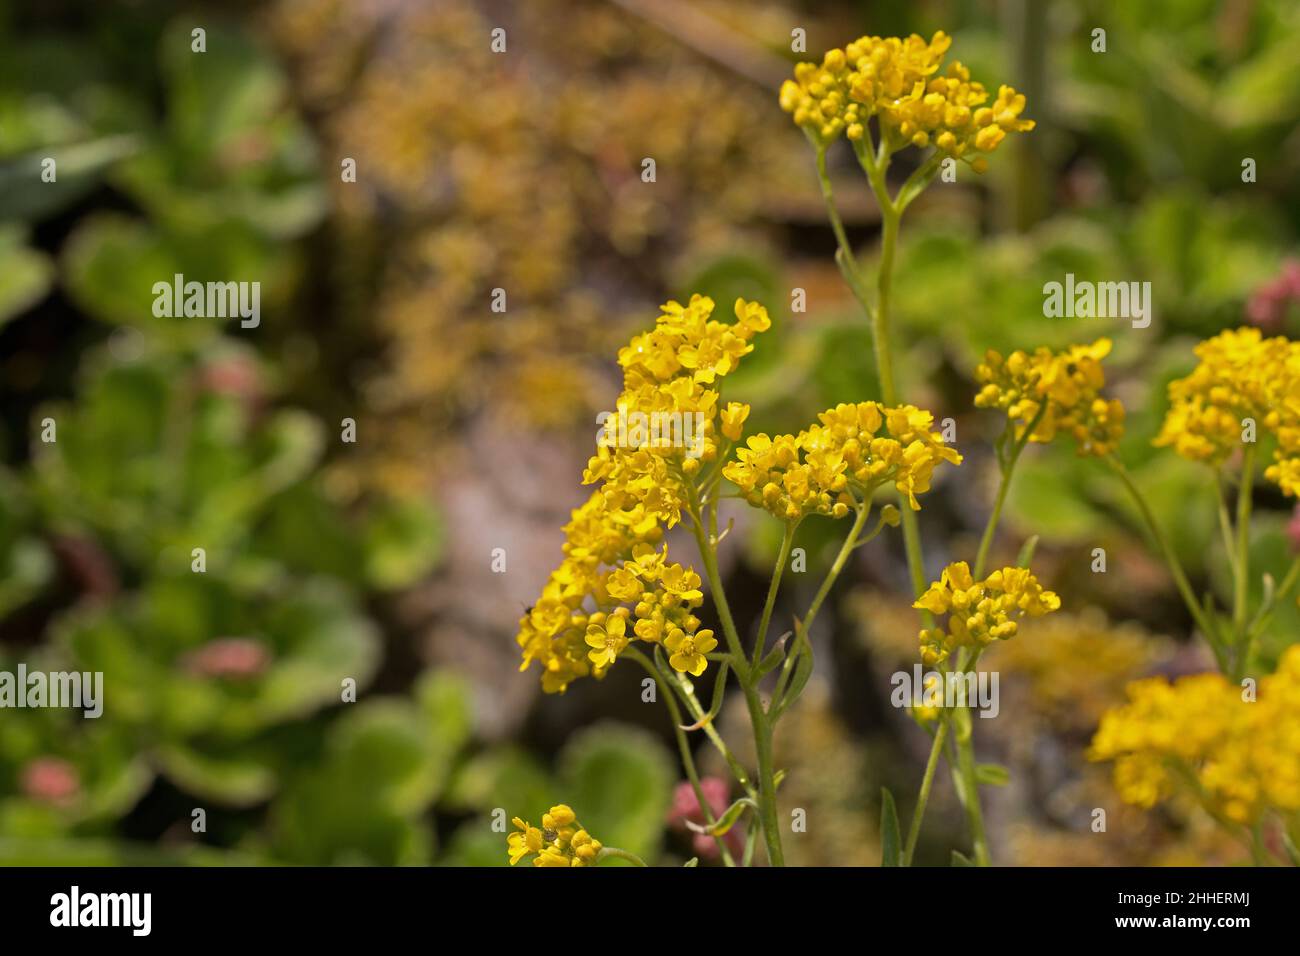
{"x": 1265, "y": 613}
{"x": 1004, "y": 486}
{"x": 697, "y": 711}
{"x": 923, "y": 798}
{"x": 613, "y": 852}
{"x": 891, "y": 216}
{"x": 684, "y": 747}
{"x": 990, "y": 530}
{"x": 1241, "y": 583}
{"x": 1171, "y": 559}
{"x": 787, "y": 542}
{"x": 1225, "y": 525}
{"x": 744, "y": 674}
{"x": 864, "y": 509}
{"x": 880, "y": 334}
{"x": 962, "y": 737}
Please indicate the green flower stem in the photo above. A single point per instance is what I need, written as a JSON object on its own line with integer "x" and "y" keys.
{"x": 1171, "y": 559}
{"x": 844, "y": 256}
{"x": 787, "y": 542}
{"x": 962, "y": 733}
{"x": 885, "y": 369}
{"x": 1265, "y": 613}
{"x": 613, "y": 852}
{"x": 697, "y": 711}
{"x": 884, "y": 289}
{"x": 891, "y": 216}
{"x": 864, "y": 509}
{"x": 1225, "y": 525}
{"x": 684, "y": 747}
{"x": 874, "y": 165}
{"x": 850, "y": 542}
{"x": 923, "y": 798}
{"x": 757, "y": 716}
{"x": 828, "y": 195}
{"x": 1241, "y": 584}
{"x": 964, "y": 739}
{"x": 1008, "y": 469}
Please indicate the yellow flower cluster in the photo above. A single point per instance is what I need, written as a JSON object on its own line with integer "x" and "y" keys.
{"x": 670, "y": 379}
{"x": 1240, "y": 376}
{"x": 1244, "y": 755}
{"x": 612, "y": 586}
{"x": 560, "y": 841}
{"x": 898, "y": 82}
{"x": 615, "y": 582}
{"x": 1065, "y": 387}
{"x": 825, "y": 468}
{"x": 980, "y": 612}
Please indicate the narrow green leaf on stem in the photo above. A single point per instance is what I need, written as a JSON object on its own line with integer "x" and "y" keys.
{"x": 890, "y": 839}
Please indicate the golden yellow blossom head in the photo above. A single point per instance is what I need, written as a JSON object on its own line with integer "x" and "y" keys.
{"x": 615, "y": 584}
{"x": 667, "y": 421}
{"x": 980, "y": 612}
{"x": 899, "y": 82}
{"x": 1054, "y": 392}
{"x": 1243, "y": 755}
{"x": 829, "y": 467}
{"x": 560, "y": 842}
{"x": 1244, "y": 388}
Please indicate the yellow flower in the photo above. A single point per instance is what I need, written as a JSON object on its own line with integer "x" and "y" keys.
{"x": 898, "y": 82}
{"x": 558, "y": 816}
{"x": 607, "y": 637}
{"x": 1056, "y": 392}
{"x": 979, "y": 612}
{"x": 733, "y": 419}
{"x": 665, "y": 424}
{"x": 688, "y": 650}
{"x": 1241, "y": 377}
{"x": 851, "y": 452}
{"x": 527, "y": 840}
{"x": 1242, "y": 754}
{"x": 562, "y": 841}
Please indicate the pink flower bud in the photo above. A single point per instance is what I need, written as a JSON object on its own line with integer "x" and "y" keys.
{"x": 230, "y": 657}
{"x": 51, "y": 780}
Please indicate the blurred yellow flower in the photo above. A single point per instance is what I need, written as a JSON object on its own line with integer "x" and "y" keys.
{"x": 1243, "y": 388}
{"x": 1204, "y": 736}
{"x": 1055, "y": 392}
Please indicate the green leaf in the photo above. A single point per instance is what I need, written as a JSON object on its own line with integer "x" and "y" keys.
{"x": 960, "y": 859}
{"x": 505, "y": 776}
{"x": 403, "y": 540}
{"x": 78, "y": 166}
{"x": 992, "y": 774}
{"x": 890, "y": 837}
{"x": 235, "y": 780}
{"x": 116, "y": 853}
{"x": 1027, "y": 552}
{"x": 727, "y": 820}
{"x": 803, "y": 666}
{"x": 25, "y": 274}
{"x": 773, "y": 657}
